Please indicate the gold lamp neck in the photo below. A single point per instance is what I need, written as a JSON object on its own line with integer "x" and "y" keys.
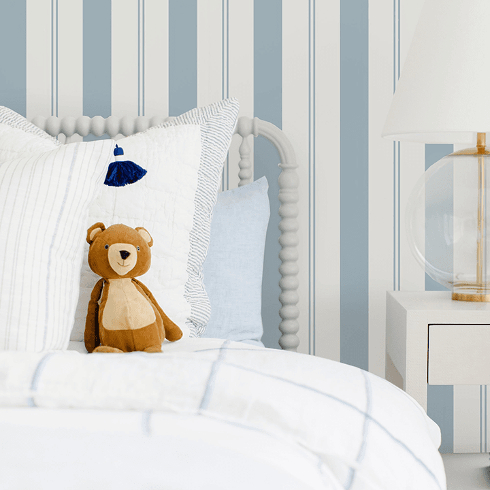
{"x": 481, "y": 149}
{"x": 481, "y": 139}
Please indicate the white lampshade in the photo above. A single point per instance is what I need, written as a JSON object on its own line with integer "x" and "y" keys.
{"x": 443, "y": 95}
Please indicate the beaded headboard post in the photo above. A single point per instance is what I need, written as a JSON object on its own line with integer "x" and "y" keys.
{"x": 288, "y": 191}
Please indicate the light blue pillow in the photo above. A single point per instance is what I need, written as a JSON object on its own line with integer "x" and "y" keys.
{"x": 234, "y": 264}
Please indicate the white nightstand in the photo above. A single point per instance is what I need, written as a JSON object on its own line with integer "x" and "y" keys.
{"x": 431, "y": 339}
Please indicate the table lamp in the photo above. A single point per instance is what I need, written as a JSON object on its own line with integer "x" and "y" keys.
{"x": 443, "y": 96}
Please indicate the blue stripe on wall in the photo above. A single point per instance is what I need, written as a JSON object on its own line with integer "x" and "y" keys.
{"x": 268, "y": 106}
{"x": 13, "y": 55}
{"x": 182, "y": 65}
{"x": 97, "y": 58}
{"x": 440, "y": 399}
{"x": 440, "y": 408}
{"x": 354, "y": 280}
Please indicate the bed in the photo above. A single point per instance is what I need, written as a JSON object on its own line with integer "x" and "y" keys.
{"x": 207, "y": 412}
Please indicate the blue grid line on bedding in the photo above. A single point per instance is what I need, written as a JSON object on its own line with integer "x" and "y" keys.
{"x": 345, "y": 403}
{"x": 36, "y": 376}
{"x": 208, "y": 392}
{"x": 362, "y": 449}
{"x": 146, "y": 422}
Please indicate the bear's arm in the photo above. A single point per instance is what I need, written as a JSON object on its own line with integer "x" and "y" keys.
{"x": 91, "y": 336}
{"x": 172, "y": 330}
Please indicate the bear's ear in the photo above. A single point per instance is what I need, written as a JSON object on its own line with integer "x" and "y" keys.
{"x": 145, "y": 235}
{"x": 93, "y": 231}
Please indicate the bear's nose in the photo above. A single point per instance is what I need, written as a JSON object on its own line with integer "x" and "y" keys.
{"x": 124, "y": 254}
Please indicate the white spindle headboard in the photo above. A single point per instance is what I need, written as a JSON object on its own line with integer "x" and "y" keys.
{"x": 288, "y": 191}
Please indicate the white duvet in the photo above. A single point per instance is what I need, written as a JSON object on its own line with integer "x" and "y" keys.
{"x": 208, "y": 414}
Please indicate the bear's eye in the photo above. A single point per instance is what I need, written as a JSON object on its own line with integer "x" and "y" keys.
{"x": 137, "y": 248}
{"x": 106, "y": 247}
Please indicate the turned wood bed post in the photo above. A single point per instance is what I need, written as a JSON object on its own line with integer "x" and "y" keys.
{"x": 288, "y": 211}
{"x": 288, "y": 191}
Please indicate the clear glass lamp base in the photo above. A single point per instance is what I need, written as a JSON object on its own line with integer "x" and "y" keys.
{"x": 448, "y": 223}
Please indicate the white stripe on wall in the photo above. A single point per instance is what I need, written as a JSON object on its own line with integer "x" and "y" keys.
{"x": 125, "y": 71}
{"x": 327, "y": 183}
{"x": 70, "y": 58}
{"x": 209, "y": 52}
{"x": 380, "y": 178}
{"x": 461, "y": 257}
{"x": 38, "y": 58}
{"x": 141, "y": 57}
{"x": 396, "y": 152}
{"x": 225, "y": 75}
{"x": 240, "y": 66}
{"x": 211, "y": 55}
{"x": 156, "y": 58}
{"x": 296, "y": 125}
{"x": 54, "y": 57}
{"x": 412, "y": 161}
{"x": 412, "y": 167}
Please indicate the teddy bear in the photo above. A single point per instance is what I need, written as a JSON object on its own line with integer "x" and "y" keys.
{"x": 123, "y": 315}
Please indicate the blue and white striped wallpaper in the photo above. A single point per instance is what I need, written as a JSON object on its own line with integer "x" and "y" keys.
{"x": 322, "y": 70}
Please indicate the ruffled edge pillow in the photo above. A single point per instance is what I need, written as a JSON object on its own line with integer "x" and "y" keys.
{"x": 217, "y": 122}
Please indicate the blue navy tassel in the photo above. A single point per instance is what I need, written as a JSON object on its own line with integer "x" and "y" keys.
{"x": 122, "y": 173}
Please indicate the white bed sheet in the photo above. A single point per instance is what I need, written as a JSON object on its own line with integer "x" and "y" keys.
{"x": 229, "y": 414}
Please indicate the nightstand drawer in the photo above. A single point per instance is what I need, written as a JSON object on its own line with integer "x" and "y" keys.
{"x": 459, "y": 354}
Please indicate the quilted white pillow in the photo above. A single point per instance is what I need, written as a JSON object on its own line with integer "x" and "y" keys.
{"x": 154, "y": 202}
{"x": 45, "y": 191}
{"x": 163, "y": 203}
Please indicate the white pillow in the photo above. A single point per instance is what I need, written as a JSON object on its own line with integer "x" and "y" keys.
{"x": 44, "y": 199}
{"x": 188, "y": 304}
{"x": 163, "y": 203}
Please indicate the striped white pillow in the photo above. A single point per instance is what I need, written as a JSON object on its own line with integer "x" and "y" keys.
{"x": 44, "y": 200}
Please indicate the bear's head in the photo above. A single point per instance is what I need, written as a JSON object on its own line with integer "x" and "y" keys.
{"x": 119, "y": 251}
